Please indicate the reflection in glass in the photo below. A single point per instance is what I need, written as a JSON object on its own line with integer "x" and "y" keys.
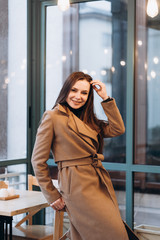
{"x": 147, "y": 199}
{"x": 75, "y": 45}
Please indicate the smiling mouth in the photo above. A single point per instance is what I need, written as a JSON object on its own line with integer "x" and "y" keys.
{"x": 76, "y": 102}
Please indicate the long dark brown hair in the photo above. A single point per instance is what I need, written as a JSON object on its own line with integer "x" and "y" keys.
{"x": 88, "y": 116}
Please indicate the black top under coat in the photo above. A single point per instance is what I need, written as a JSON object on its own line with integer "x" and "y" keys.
{"x": 76, "y": 112}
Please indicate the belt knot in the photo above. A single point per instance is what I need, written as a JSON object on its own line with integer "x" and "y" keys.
{"x": 97, "y": 158}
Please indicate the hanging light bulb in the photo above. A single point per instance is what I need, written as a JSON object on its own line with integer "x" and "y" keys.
{"x": 152, "y": 8}
{"x": 63, "y": 4}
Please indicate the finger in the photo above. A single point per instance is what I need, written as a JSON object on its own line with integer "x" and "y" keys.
{"x": 62, "y": 201}
{"x": 53, "y": 207}
{"x": 59, "y": 208}
{"x": 56, "y": 207}
{"x": 97, "y": 87}
{"x": 58, "y": 204}
{"x": 97, "y": 84}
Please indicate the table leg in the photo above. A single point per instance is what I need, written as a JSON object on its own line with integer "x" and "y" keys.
{"x": 6, "y": 231}
{"x": 4, "y": 222}
{"x": 10, "y": 230}
{"x": 2, "y": 229}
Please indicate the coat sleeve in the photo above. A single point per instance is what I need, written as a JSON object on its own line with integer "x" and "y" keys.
{"x": 40, "y": 155}
{"x": 115, "y": 125}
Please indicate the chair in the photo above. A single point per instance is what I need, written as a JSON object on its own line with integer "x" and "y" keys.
{"x": 38, "y": 232}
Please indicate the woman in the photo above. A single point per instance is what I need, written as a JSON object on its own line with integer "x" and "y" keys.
{"x": 75, "y": 136}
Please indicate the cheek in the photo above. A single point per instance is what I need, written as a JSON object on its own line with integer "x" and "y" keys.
{"x": 85, "y": 98}
{"x": 69, "y": 96}
{"x": 67, "y": 99}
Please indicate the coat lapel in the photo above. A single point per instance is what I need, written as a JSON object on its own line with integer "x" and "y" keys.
{"x": 79, "y": 127}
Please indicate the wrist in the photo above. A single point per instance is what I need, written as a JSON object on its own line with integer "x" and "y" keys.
{"x": 105, "y": 98}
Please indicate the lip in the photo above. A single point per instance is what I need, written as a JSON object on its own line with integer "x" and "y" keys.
{"x": 75, "y": 102}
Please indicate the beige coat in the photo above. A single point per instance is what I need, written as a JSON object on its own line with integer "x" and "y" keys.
{"x": 84, "y": 184}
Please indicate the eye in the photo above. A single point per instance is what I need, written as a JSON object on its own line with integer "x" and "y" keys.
{"x": 84, "y": 92}
{"x": 73, "y": 90}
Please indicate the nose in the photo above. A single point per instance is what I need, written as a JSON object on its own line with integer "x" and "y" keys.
{"x": 78, "y": 95}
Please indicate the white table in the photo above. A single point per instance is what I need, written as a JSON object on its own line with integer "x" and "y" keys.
{"x": 27, "y": 202}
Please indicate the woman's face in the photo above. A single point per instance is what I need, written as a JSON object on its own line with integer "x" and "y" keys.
{"x": 78, "y": 94}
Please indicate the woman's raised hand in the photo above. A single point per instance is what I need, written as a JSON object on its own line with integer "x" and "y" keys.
{"x": 59, "y": 204}
{"x": 100, "y": 88}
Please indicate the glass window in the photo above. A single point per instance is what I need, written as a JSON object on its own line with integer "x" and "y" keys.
{"x": 13, "y": 79}
{"x": 147, "y": 85}
{"x": 14, "y": 175}
{"x": 146, "y": 199}
{"x": 75, "y": 45}
{"x": 119, "y": 183}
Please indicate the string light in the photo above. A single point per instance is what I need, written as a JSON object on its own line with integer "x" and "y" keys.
{"x": 113, "y": 69}
{"x": 152, "y": 8}
{"x": 103, "y": 72}
{"x": 140, "y": 42}
{"x": 123, "y": 63}
{"x": 63, "y": 5}
{"x": 153, "y": 74}
{"x": 156, "y": 60}
{"x": 64, "y": 58}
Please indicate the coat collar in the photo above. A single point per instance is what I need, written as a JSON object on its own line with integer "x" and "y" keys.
{"x": 78, "y": 126}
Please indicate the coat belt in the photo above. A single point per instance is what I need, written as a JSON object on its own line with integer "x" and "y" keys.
{"x": 92, "y": 159}
{"x": 96, "y": 162}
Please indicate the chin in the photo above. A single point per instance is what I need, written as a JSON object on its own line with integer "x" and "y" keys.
{"x": 76, "y": 107}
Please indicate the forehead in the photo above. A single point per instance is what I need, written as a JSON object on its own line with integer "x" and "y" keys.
{"x": 82, "y": 85}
